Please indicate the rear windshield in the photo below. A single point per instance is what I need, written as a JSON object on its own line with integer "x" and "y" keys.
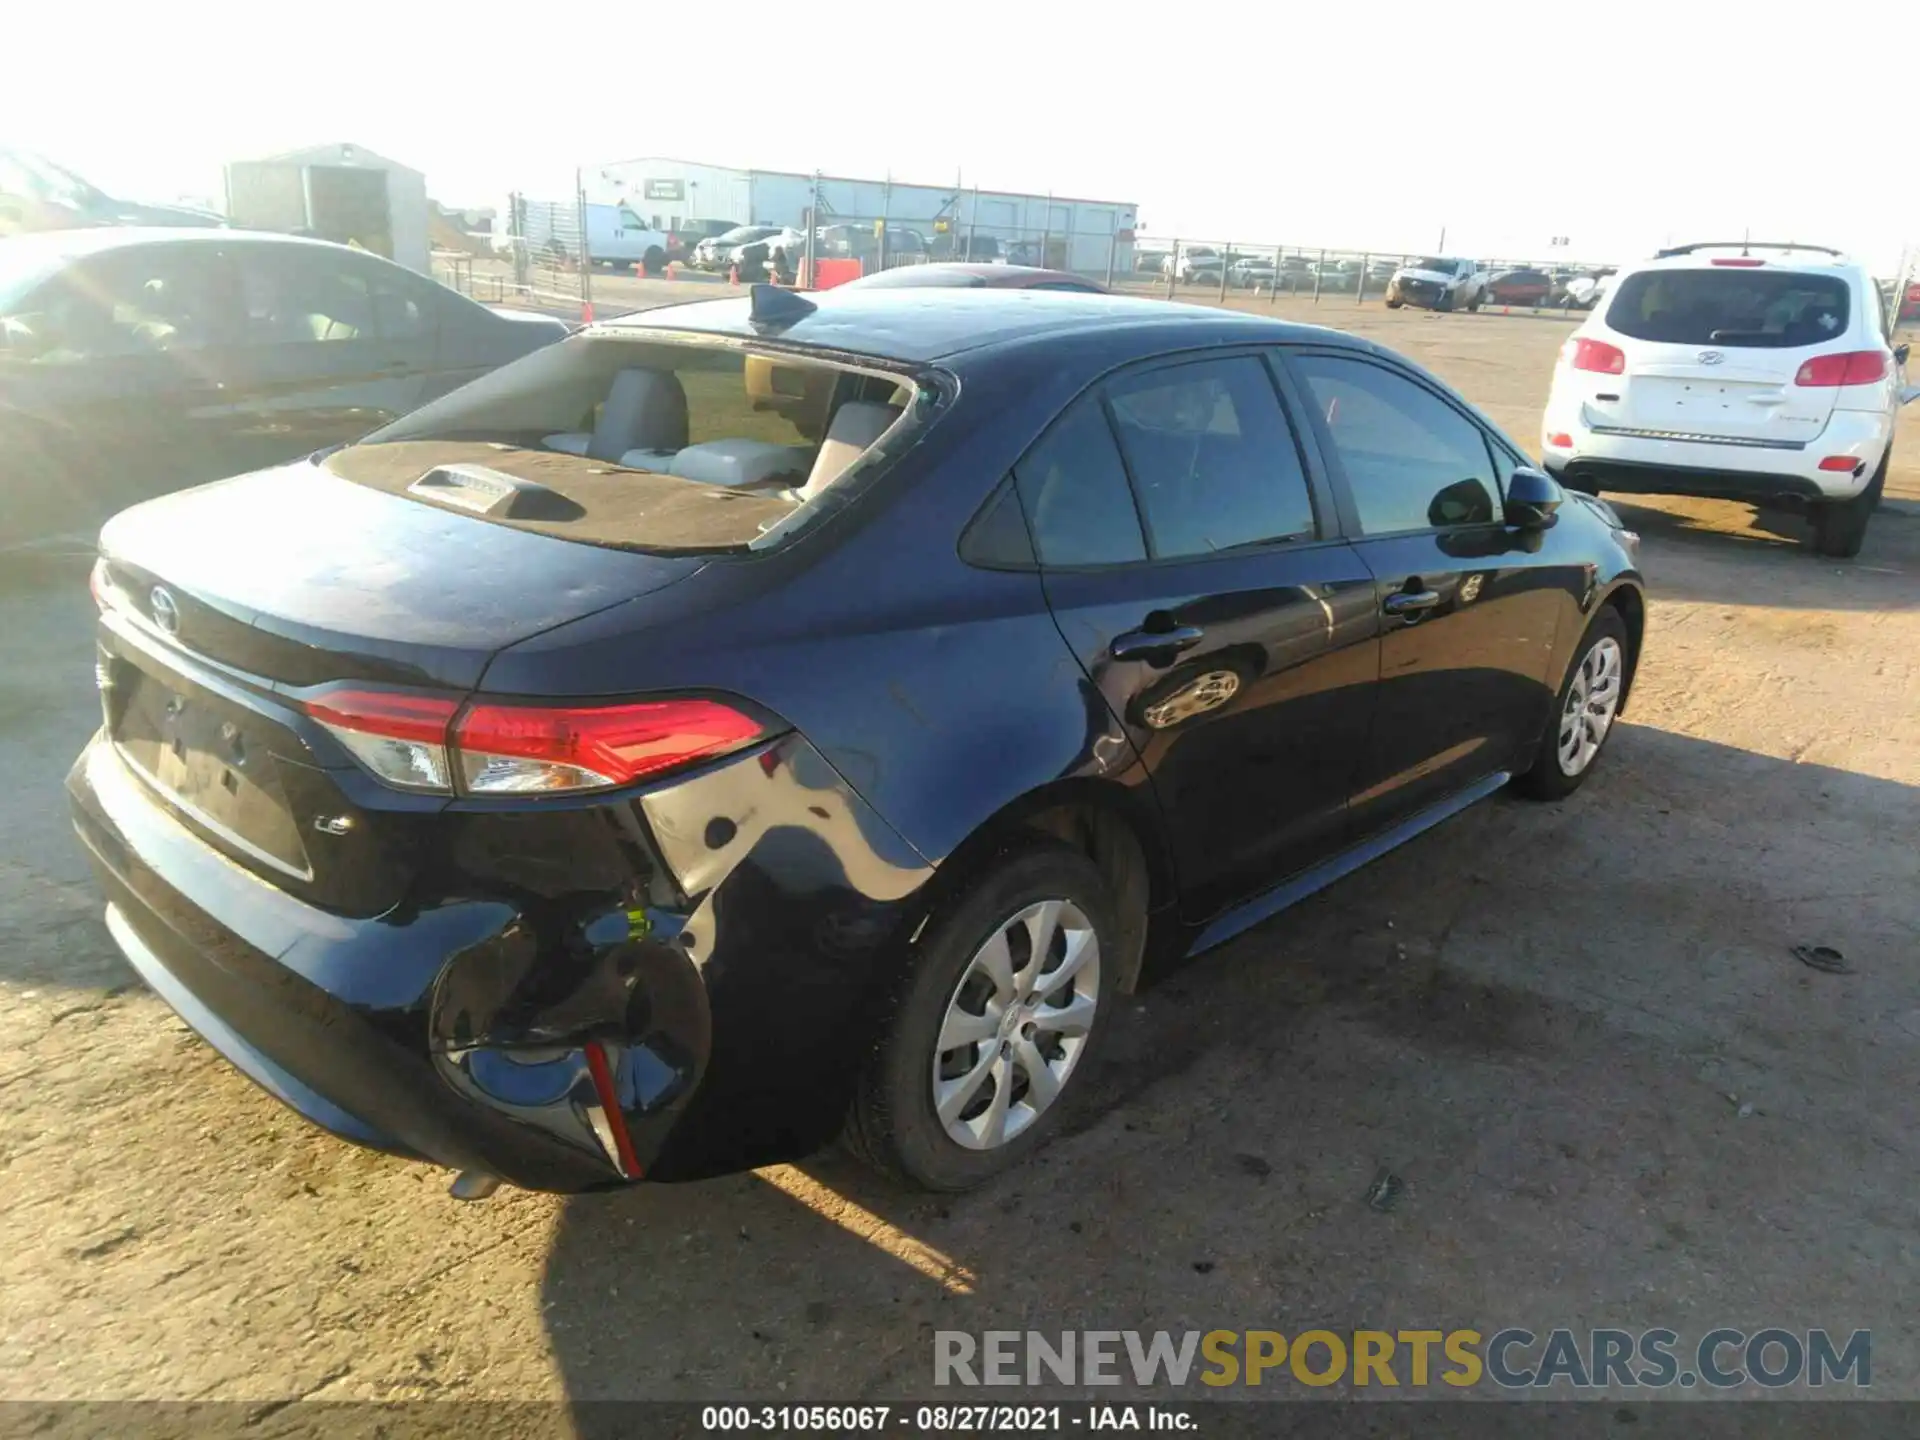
{"x": 1760, "y": 308}
{"x": 647, "y": 442}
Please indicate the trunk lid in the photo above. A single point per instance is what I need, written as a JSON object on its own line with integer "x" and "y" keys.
{"x": 229, "y": 604}
{"x": 1720, "y": 391}
{"x": 299, "y": 577}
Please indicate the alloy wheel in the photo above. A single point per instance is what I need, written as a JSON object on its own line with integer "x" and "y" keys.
{"x": 1592, "y": 701}
{"x": 1016, "y": 1024}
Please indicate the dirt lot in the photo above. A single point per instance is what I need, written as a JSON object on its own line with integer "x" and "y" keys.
{"x": 1577, "y": 1033}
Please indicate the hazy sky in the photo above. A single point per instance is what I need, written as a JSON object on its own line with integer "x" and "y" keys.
{"x": 1618, "y": 125}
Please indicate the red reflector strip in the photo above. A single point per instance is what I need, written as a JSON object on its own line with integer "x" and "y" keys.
{"x": 609, "y": 1098}
{"x": 1560, "y": 441}
{"x": 1840, "y": 462}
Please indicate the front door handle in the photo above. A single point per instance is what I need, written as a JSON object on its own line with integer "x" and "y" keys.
{"x": 1411, "y": 602}
{"x": 1156, "y": 647}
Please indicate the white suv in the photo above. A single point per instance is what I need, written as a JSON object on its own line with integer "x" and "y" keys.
{"x": 1755, "y": 372}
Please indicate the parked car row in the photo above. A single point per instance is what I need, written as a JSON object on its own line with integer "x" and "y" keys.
{"x": 900, "y": 244}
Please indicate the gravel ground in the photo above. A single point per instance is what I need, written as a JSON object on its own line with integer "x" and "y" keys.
{"x": 1576, "y": 1033}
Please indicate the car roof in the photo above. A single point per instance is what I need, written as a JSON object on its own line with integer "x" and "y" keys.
{"x": 923, "y": 325}
{"x": 1008, "y": 276}
{"x": 53, "y": 246}
{"x": 1771, "y": 257}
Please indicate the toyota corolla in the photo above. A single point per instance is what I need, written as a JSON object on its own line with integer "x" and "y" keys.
{"x": 776, "y": 718}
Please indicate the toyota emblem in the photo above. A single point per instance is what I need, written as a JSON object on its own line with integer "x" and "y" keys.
{"x": 166, "y": 614}
{"x": 1711, "y": 357}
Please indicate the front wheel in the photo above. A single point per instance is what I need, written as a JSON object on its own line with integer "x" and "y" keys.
{"x": 1395, "y": 304}
{"x": 1006, "y": 1002}
{"x": 1583, "y": 712}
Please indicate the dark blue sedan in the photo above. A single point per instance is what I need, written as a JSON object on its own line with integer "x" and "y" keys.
{"x": 764, "y": 720}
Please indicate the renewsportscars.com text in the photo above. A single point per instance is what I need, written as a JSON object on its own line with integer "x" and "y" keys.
{"x": 1512, "y": 1358}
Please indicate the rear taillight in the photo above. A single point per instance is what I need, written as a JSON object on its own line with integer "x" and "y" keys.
{"x": 1596, "y": 355}
{"x": 515, "y": 749}
{"x": 1853, "y": 367}
{"x": 426, "y": 742}
{"x": 401, "y": 738}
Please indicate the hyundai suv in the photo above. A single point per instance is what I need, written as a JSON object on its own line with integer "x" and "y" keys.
{"x": 1764, "y": 373}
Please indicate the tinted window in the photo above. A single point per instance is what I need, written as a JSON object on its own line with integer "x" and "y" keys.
{"x": 998, "y": 537}
{"x": 1731, "y": 305}
{"x": 144, "y": 300}
{"x": 299, "y": 298}
{"x": 403, "y": 307}
{"x": 296, "y": 295}
{"x": 1075, "y": 490}
{"x": 1213, "y": 460}
{"x": 1412, "y": 460}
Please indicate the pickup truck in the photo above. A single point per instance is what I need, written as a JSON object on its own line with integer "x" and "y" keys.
{"x": 1436, "y": 282}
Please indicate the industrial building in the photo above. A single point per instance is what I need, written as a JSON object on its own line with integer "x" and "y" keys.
{"x": 1057, "y": 230}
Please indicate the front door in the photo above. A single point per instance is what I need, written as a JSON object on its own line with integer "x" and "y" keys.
{"x": 1469, "y": 607}
{"x": 1192, "y": 569}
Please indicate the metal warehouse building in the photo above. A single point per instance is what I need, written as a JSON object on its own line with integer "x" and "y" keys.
{"x": 1070, "y": 234}
{"x": 337, "y": 192}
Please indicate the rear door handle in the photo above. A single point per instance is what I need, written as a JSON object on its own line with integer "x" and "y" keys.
{"x": 1410, "y": 602}
{"x": 1156, "y": 647}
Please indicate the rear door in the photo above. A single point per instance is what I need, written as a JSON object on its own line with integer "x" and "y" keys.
{"x": 1713, "y": 351}
{"x": 1468, "y": 607}
{"x": 1197, "y": 573}
{"x": 336, "y": 348}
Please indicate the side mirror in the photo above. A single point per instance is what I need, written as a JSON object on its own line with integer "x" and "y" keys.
{"x": 1532, "y": 498}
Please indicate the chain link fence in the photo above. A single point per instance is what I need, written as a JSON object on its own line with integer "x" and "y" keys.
{"x": 544, "y": 255}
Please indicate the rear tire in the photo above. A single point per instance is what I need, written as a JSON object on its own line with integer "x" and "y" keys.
{"x": 1589, "y": 700}
{"x": 1395, "y": 304}
{"x": 1840, "y": 526}
{"x": 951, "y": 993}
{"x": 656, "y": 260}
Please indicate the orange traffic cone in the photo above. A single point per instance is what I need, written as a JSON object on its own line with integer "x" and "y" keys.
{"x": 586, "y": 312}
{"x": 733, "y": 273}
